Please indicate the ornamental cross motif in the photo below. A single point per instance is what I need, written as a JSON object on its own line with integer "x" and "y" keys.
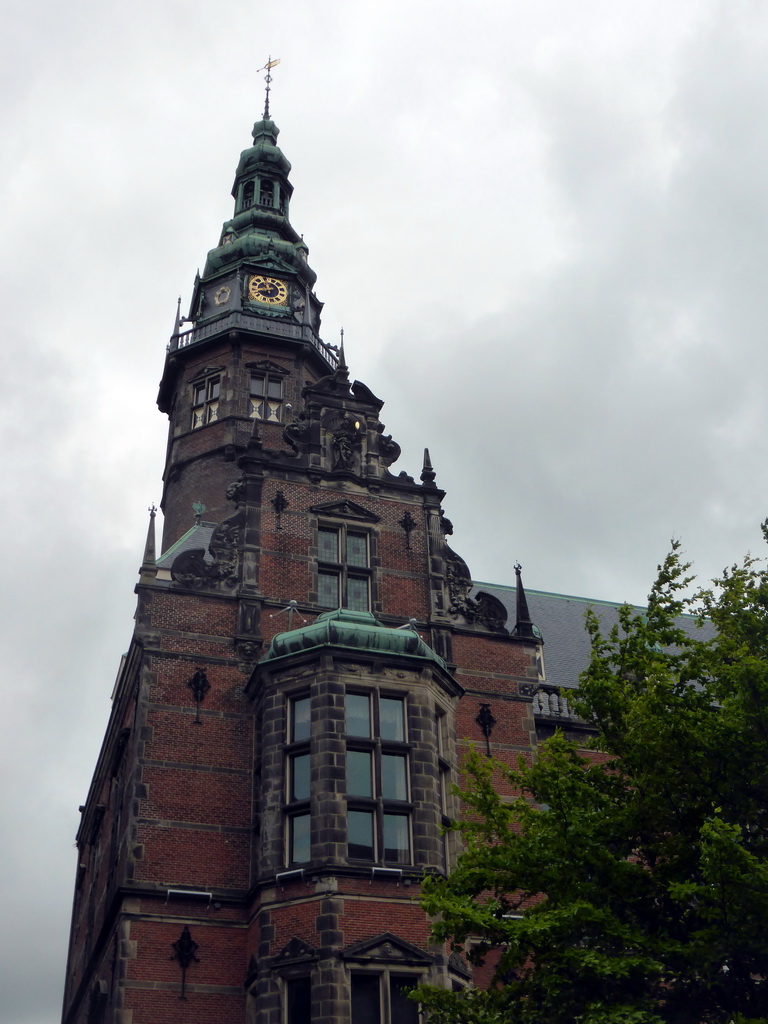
{"x": 184, "y": 949}
{"x": 280, "y": 504}
{"x": 486, "y": 721}
{"x": 407, "y": 523}
{"x": 199, "y": 686}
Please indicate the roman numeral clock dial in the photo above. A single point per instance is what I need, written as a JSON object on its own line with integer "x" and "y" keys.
{"x": 269, "y": 290}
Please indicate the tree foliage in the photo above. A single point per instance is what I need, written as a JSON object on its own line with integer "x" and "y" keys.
{"x": 629, "y": 885}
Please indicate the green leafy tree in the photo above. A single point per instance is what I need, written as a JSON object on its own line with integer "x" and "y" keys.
{"x": 629, "y": 885}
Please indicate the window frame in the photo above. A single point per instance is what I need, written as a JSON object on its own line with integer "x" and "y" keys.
{"x": 285, "y": 985}
{"x": 443, "y": 777}
{"x": 264, "y": 399}
{"x": 293, "y": 807}
{"x": 377, "y": 804}
{"x": 205, "y": 401}
{"x": 385, "y": 976}
{"x": 342, "y": 569}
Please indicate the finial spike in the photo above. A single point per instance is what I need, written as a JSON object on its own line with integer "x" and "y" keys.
{"x": 177, "y": 321}
{"x": 427, "y": 472}
{"x": 342, "y": 357}
{"x": 268, "y": 81}
{"x": 342, "y": 370}
{"x": 524, "y": 627}
{"x": 148, "y": 569}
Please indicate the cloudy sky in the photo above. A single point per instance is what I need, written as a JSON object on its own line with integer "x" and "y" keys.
{"x": 542, "y": 224}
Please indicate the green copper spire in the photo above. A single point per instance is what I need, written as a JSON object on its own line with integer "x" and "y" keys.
{"x": 260, "y": 231}
{"x": 257, "y": 279}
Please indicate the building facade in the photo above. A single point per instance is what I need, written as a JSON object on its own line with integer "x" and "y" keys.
{"x": 309, "y": 658}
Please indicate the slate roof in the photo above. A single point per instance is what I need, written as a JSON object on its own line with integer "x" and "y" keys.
{"x": 560, "y": 618}
{"x": 196, "y": 537}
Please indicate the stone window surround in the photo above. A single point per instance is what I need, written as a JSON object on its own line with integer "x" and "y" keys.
{"x": 341, "y": 569}
{"x": 386, "y": 974}
{"x": 294, "y": 808}
{"x": 205, "y": 400}
{"x": 307, "y": 971}
{"x": 272, "y": 402}
{"x": 377, "y": 803}
{"x": 326, "y": 676}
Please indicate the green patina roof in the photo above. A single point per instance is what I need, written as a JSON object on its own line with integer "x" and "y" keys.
{"x": 256, "y": 233}
{"x": 264, "y": 151}
{"x": 359, "y": 631}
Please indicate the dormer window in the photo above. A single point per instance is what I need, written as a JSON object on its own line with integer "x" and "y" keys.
{"x": 205, "y": 401}
{"x": 267, "y": 193}
{"x": 248, "y": 189}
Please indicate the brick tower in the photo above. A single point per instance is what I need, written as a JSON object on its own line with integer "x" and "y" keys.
{"x": 307, "y": 662}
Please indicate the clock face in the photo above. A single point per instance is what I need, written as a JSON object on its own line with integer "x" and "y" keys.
{"x": 269, "y": 290}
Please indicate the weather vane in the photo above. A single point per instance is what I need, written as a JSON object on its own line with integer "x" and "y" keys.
{"x": 268, "y": 67}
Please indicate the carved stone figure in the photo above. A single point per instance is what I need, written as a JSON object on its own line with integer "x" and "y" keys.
{"x": 389, "y": 450}
{"x": 487, "y": 610}
{"x": 296, "y": 434}
{"x": 235, "y": 491}
{"x": 345, "y": 441}
{"x": 192, "y": 569}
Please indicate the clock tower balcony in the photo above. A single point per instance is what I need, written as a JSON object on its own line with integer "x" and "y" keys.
{"x": 250, "y": 323}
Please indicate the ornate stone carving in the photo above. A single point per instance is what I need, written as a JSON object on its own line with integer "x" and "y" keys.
{"x": 247, "y": 650}
{"x": 346, "y": 441}
{"x": 486, "y": 609}
{"x": 296, "y": 434}
{"x": 345, "y": 510}
{"x": 457, "y": 963}
{"x": 386, "y": 948}
{"x": 364, "y": 394}
{"x": 459, "y": 584}
{"x": 235, "y": 491}
{"x": 192, "y": 569}
{"x": 389, "y": 450}
{"x": 491, "y": 612}
{"x": 295, "y": 949}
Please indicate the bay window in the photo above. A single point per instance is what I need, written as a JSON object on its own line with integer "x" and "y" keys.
{"x": 377, "y": 774}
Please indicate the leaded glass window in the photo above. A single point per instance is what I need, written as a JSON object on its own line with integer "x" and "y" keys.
{"x": 343, "y": 574}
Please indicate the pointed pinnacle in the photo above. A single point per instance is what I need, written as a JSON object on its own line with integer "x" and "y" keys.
{"x": 523, "y": 625}
{"x": 427, "y": 473}
{"x": 148, "y": 569}
{"x": 342, "y": 357}
{"x": 177, "y": 321}
{"x": 342, "y": 370}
